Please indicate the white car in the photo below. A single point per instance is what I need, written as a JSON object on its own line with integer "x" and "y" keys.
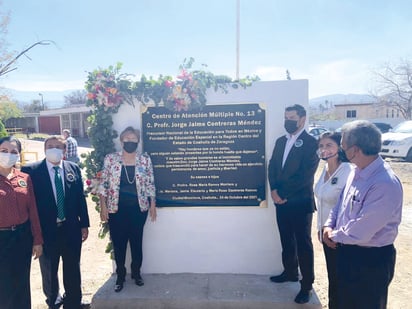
{"x": 398, "y": 142}
{"x": 316, "y": 131}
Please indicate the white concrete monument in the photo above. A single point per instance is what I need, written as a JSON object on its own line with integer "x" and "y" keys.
{"x": 239, "y": 240}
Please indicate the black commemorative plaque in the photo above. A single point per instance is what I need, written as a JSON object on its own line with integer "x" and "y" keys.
{"x": 212, "y": 157}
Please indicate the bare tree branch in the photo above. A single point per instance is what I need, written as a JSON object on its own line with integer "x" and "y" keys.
{"x": 394, "y": 87}
{"x": 10, "y": 66}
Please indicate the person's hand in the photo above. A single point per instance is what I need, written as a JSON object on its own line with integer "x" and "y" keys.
{"x": 37, "y": 251}
{"x": 327, "y": 237}
{"x": 153, "y": 213}
{"x": 85, "y": 233}
{"x": 104, "y": 214}
{"x": 276, "y": 198}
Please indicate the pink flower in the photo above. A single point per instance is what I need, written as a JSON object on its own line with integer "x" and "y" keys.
{"x": 185, "y": 75}
{"x": 88, "y": 182}
{"x": 169, "y": 83}
{"x": 91, "y": 96}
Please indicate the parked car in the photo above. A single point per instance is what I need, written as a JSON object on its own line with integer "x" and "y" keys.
{"x": 384, "y": 127}
{"x": 398, "y": 142}
{"x": 316, "y": 131}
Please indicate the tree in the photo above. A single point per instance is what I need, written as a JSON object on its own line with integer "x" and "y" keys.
{"x": 4, "y": 22}
{"x": 78, "y": 97}
{"x": 9, "y": 110}
{"x": 288, "y": 75}
{"x": 8, "y": 60}
{"x": 3, "y": 131}
{"x": 34, "y": 107}
{"x": 10, "y": 65}
{"x": 394, "y": 87}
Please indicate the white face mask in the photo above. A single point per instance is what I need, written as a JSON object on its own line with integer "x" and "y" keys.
{"x": 8, "y": 160}
{"x": 54, "y": 155}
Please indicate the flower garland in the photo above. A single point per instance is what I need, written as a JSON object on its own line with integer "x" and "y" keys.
{"x": 185, "y": 93}
{"x": 105, "y": 92}
{"x": 108, "y": 89}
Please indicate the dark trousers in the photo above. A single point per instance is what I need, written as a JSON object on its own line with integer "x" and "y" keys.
{"x": 126, "y": 226}
{"x": 297, "y": 248}
{"x": 330, "y": 257}
{"x": 15, "y": 261}
{"x": 364, "y": 275}
{"x": 49, "y": 266}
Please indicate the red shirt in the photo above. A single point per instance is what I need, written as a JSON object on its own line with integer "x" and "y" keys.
{"x": 18, "y": 204}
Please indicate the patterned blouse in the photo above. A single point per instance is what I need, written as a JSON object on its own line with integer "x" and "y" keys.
{"x": 110, "y": 179}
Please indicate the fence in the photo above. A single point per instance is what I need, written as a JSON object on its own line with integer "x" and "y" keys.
{"x": 12, "y": 131}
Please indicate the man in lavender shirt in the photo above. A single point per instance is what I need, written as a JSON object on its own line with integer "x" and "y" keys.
{"x": 364, "y": 224}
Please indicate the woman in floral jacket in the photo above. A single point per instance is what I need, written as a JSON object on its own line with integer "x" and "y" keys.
{"x": 127, "y": 195}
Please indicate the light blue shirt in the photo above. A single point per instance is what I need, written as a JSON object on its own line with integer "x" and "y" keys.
{"x": 370, "y": 209}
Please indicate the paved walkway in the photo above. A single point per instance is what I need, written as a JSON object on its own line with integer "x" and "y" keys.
{"x": 202, "y": 291}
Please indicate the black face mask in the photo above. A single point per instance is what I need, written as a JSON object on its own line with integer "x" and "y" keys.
{"x": 342, "y": 156}
{"x": 130, "y": 146}
{"x": 291, "y": 126}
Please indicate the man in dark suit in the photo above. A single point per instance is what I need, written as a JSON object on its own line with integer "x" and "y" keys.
{"x": 64, "y": 220}
{"x": 291, "y": 174}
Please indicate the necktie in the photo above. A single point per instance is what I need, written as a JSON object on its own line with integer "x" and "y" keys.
{"x": 59, "y": 193}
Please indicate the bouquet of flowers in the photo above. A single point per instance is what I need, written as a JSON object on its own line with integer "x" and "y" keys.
{"x": 184, "y": 93}
{"x": 94, "y": 185}
{"x": 104, "y": 91}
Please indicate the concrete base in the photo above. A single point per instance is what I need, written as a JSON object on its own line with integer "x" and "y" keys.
{"x": 201, "y": 291}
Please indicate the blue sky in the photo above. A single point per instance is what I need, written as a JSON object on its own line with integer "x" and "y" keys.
{"x": 335, "y": 44}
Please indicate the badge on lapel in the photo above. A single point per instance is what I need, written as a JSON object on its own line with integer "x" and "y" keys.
{"x": 70, "y": 177}
{"x": 334, "y": 180}
{"x": 298, "y": 143}
{"x": 22, "y": 183}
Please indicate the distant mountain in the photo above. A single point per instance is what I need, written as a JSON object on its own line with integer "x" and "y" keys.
{"x": 55, "y": 99}
{"x": 52, "y": 99}
{"x": 340, "y": 99}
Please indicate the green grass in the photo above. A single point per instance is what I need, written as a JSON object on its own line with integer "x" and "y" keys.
{"x": 33, "y": 136}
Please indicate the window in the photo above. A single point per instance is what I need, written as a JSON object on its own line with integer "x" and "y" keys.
{"x": 75, "y": 124}
{"x": 351, "y": 114}
{"x": 65, "y": 121}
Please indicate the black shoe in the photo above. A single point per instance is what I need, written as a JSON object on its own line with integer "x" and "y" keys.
{"x": 85, "y": 305}
{"x": 303, "y": 296}
{"x": 119, "y": 284}
{"x": 59, "y": 301}
{"x": 138, "y": 280}
{"x": 118, "y": 287}
{"x": 283, "y": 277}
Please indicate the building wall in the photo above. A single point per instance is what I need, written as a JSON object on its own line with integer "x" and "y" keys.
{"x": 49, "y": 125}
{"x": 365, "y": 111}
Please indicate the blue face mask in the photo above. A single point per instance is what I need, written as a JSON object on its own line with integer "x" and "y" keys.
{"x": 54, "y": 155}
{"x": 8, "y": 160}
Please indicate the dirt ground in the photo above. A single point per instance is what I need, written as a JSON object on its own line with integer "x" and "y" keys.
{"x": 97, "y": 267}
